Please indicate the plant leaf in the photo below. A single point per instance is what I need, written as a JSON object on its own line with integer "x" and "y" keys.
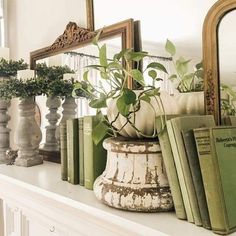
{"x": 99, "y": 102}
{"x": 122, "y": 107}
{"x": 173, "y": 77}
{"x": 103, "y": 55}
{"x": 145, "y": 98}
{"x": 129, "y": 96}
{"x": 138, "y": 76}
{"x": 199, "y": 65}
{"x": 99, "y": 132}
{"x": 96, "y": 38}
{"x": 85, "y": 75}
{"x": 152, "y": 74}
{"x": 170, "y": 47}
{"x": 136, "y": 56}
{"x": 158, "y": 66}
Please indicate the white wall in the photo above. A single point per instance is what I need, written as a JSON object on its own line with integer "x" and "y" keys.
{"x": 33, "y": 24}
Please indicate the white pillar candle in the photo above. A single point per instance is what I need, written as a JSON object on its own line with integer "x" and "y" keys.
{"x": 68, "y": 76}
{"x": 4, "y": 53}
{"x": 25, "y": 74}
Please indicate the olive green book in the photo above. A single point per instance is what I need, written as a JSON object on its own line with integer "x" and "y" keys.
{"x": 73, "y": 151}
{"x": 94, "y": 155}
{"x": 170, "y": 166}
{"x": 81, "y": 151}
{"x": 183, "y": 170}
{"x": 63, "y": 151}
{"x": 192, "y": 156}
{"x": 217, "y": 156}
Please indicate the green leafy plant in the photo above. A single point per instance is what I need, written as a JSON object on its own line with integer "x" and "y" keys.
{"x": 115, "y": 73}
{"x": 10, "y": 68}
{"x": 227, "y": 105}
{"x": 54, "y": 85}
{"x": 14, "y": 88}
{"x": 185, "y": 81}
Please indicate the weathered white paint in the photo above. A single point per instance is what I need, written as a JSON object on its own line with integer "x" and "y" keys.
{"x": 135, "y": 177}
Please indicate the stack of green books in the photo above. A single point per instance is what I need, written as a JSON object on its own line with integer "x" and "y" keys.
{"x": 200, "y": 161}
{"x": 81, "y": 160}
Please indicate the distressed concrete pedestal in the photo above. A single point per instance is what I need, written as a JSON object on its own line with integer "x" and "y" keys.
{"x": 28, "y": 135}
{"x": 51, "y": 144}
{"x": 134, "y": 178}
{"x": 4, "y": 130}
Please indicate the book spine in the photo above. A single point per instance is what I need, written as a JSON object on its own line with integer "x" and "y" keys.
{"x": 81, "y": 151}
{"x": 73, "y": 151}
{"x": 88, "y": 153}
{"x": 180, "y": 172}
{"x": 172, "y": 174}
{"x": 192, "y": 155}
{"x": 176, "y": 124}
{"x": 63, "y": 149}
{"x": 210, "y": 182}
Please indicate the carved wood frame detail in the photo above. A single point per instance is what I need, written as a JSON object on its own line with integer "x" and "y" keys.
{"x": 211, "y": 56}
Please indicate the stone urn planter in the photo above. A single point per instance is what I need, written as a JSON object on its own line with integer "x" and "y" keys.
{"x": 144, "y": 119}
{"x": 135, "y": 177}
{"x": 28, "y": 135}
{"x": 191, "y": 103}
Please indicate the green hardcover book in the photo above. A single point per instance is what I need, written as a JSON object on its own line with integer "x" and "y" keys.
{"x": 73, "y": 151}
{"x": 192, "y": 155}
{"x": 170, "y": 167}
{"x": 179, "y": 124}
{"x": 217, "y": 155}
{"x": 94, "y": 155}
{"x": 63, "y": 151}
{"x": 81, "y": 151}
{"x": 179, "y": 172}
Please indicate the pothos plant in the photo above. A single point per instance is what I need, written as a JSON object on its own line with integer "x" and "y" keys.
{"x": 115, "y": 74}
{"x": 10, "y": 68}
{"x": 227, "y": 105}
{"x": 185, "y": 81}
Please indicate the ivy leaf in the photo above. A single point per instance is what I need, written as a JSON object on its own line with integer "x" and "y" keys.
{"x": 85, "y": 75}
{"x": 136, "y": 56}
{"x": 103, "y": 55}
{"x": 123, "y": 108}
{"x": 138, "y": 76}
{"x": 157, "y": 66}
{"x": 99, "y": 102}
{"x": 199, "y": 65}
{"x": 170, "y": 48}
{"x": 129, "y": 96}
{"x": 99, "y": 132}
{"x": 145, "y": 98}
{"x": 152, "y": 74}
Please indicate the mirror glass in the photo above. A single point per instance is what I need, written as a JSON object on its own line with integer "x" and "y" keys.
{"x": 77, "y": 60}
{"x": 227, "y": 66}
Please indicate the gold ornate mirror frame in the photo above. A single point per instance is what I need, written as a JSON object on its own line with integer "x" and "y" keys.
{"x": 211, "y": 56}
{"x": 75, "y": 37}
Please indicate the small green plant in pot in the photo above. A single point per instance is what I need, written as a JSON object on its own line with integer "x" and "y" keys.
{"x": 189, "y": 83}
{"x": 127, "y": 110}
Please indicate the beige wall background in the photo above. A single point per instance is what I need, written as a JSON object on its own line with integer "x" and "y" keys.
{"x": 33, "y": 24}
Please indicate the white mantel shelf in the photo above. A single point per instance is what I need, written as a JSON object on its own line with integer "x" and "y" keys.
{"x": 43, "y": 183}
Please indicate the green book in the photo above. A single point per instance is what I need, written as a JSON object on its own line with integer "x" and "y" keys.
{"x": 73, "y": 151}
{"x": 94, "y": 155}
{"x": 183, "y": 170}
{"x": 63, "y": 151}
{"x": 81, "y": 151}
{"x": 217, "y": 155}
{"x": 192, "y": 156}
{"x": 229, "y": 120}
{"x": 170, "y": 167}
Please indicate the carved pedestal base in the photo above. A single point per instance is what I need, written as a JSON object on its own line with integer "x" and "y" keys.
{"x": 4, "y": 131}
{"x": 134, "y": 178}
{"x": 28, "y": 135}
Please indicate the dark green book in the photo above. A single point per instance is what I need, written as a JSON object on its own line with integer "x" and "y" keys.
{"x": 81, "y": 151}
{"x": 217, "y": 156}
{"x": 63, "y": 151}
{"x": 170, "y": 166}
{"x": 192, "y": 155}
{"x": 94, "y": 155}
{"x": 73, "y": 151}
